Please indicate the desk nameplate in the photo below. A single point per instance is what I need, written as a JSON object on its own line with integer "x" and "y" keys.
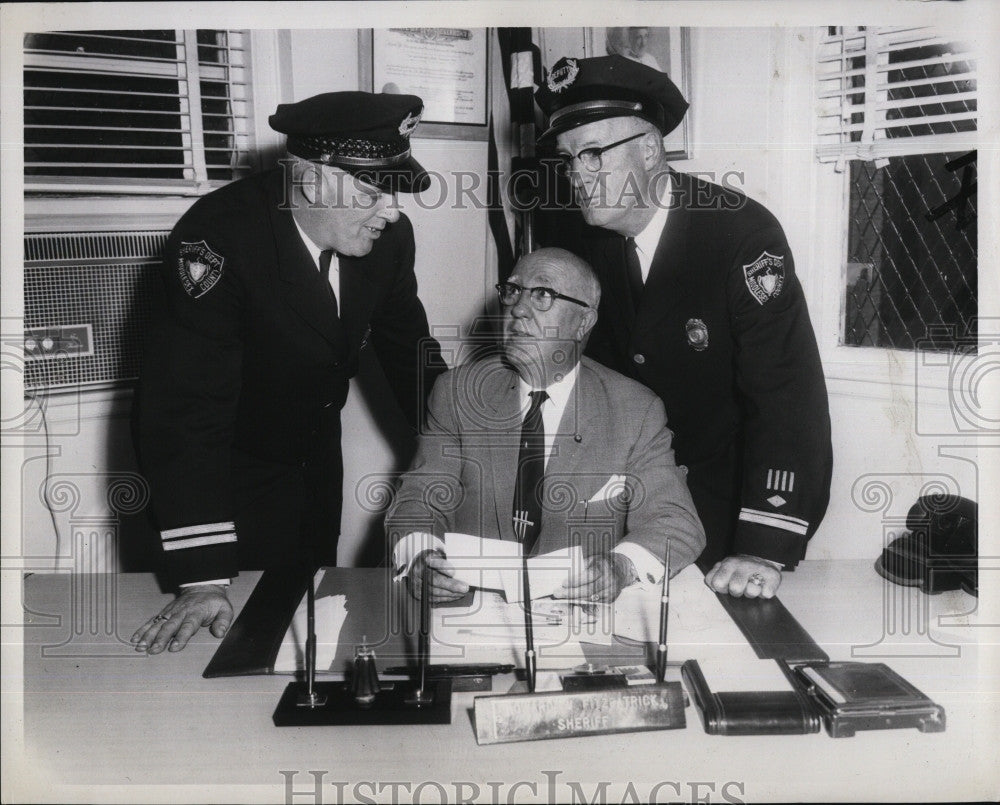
{"x": 540, "y": 716}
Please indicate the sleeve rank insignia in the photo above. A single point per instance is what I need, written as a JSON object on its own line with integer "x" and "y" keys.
{"x": 199, "y": 268}
{"x": 765, "y": 276}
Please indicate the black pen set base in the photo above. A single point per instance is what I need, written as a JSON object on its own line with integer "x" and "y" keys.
{"x": 307, "y": 699}
{"x": 399, "y": 704}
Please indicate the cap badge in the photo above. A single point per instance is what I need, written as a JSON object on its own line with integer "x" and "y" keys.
{"x": 697, "y": 333}
{"x": 563, "y": 75}
{"x": 409, "y": 124}
{"x": 765, "y": 276}
{"x": 199, "y": 268}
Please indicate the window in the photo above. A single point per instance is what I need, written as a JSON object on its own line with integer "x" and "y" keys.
{"x": 164, "y": 110}
{"x": 899, "y": 118}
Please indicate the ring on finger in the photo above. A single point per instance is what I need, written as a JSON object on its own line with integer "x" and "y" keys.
{"x": 757, "y": 579}
{"x": 161, "y": 617}
{"x": 595, "y": 597}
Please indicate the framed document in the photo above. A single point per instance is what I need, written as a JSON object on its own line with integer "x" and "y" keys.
{"x": 447, "y": 67}
{"x": 664, "y": 49}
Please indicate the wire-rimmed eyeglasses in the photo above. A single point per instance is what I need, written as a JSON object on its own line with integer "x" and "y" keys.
{"x": 590, "y": 158}
{"x": 541, "y": 298}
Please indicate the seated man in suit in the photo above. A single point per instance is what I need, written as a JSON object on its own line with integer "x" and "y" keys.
{"x": 533, "y": 437}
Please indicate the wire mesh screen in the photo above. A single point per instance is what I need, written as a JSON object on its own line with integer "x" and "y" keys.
{"x": 104, "y": 280}
{"x": 912, "y": 273}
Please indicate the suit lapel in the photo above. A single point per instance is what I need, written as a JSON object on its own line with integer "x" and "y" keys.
{"x": 357, "y": 296}
{"x": 662, "y": 286}
{"x": 300, "y": 283}
{"x": 616, "y": 299}
{"x": 572, "y": 447}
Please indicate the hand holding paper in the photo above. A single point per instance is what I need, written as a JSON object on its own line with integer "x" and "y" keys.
{"x": 602, "y": 578}
{"x": 444, "y": 582}
{"x": 496, "y": 565}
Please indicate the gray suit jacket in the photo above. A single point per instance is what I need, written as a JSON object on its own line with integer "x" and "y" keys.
{"x": 463, "y": 476}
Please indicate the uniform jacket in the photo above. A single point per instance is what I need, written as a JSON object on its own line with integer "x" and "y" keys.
{"x": 463, "y": 476}
{"x": 722, "y": 335}
{"x": 245, "y": 373}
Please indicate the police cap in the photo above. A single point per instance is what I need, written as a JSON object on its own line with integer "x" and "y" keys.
{"x": 580, "y": 91}
{"x": 366, "y": 134}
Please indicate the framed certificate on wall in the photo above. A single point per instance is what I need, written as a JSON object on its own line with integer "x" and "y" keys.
{"x": 447, "y": 67}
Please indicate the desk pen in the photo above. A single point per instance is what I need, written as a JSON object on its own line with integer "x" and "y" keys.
{"x": 661, "y": 649}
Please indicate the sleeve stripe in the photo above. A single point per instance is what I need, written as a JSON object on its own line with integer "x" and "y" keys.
{"x": 198, "y": 542}
{"x": 792, "y": 524}
{"x": 203, "y": 528}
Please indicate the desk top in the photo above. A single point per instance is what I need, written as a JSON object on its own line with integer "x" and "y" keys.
{"x": 96, "y": 713}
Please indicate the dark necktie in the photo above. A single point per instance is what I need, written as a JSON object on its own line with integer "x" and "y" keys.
{"x": 324, "y": 273}
{"x": 633, "y": 271}
{"x": 530, "y": 467}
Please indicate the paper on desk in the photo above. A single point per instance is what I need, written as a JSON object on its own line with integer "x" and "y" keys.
{"x": 331, "y": 612}
{"x": 495, "y": 564}
{"x": 491, "y": 630}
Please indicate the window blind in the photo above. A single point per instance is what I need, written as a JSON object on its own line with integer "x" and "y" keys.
{"x": 166, "y": 110}
{"x": 887, "y": 92}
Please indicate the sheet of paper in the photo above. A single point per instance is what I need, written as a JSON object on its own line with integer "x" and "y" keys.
{"x": 546, "y": 573}
{"x": 479, "y": 562}
{"x": 495, "y": 564}
{"x": 331, "y": 612}
{"x": 491, "y": 630}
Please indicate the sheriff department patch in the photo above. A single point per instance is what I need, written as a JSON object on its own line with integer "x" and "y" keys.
{"x": 765, "y": 276}
{"x": 199, "y": 268}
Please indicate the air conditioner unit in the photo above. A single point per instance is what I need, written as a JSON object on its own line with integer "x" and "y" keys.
{"x": 87, "y": 301}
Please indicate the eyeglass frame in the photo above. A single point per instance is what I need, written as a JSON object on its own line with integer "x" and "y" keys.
{"x": 550, "y": 293}
{"x": 565, "y": 161}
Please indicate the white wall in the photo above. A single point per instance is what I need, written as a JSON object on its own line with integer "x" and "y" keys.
{"x": 752, "y": 112}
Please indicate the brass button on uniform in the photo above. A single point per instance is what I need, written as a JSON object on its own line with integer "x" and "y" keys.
{"x": 639, "y": 358}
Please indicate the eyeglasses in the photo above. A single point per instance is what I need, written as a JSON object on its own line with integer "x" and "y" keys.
{"x": 541, "y": 298}
{"x": 590, "y": 158}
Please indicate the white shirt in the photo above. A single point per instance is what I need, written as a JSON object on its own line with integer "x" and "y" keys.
{"x": 648, "y": 567}
{"x": 316, "y": 251}
{"x": 647, "y": 240}
{"x": 553, "y": 408}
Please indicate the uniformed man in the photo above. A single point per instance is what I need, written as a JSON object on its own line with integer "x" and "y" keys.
{"x": 701, "y": 303}
{"x": 273, "y": 286}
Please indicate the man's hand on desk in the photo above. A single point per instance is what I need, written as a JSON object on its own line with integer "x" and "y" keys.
{"x": 443, "y": 584}
{"x": 201, "y": 605}
{"x": 745, "y": 576}
{"x": 602, "y": 579}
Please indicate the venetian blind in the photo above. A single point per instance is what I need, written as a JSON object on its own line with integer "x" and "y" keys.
{"x": 888, "y": 92}
{"x": 151, "y": 110}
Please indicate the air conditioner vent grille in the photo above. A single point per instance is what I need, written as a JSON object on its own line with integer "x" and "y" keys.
{"x": 104, "y": 279}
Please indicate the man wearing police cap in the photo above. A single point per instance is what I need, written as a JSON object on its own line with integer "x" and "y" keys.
{"x": 273, "y": 286}
{"x": 701, "y": 304}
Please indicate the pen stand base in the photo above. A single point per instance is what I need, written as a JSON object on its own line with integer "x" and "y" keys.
{"x": 391, "y": 705}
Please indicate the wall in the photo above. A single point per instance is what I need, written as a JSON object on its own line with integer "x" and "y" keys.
{"x": 752, "y": 113}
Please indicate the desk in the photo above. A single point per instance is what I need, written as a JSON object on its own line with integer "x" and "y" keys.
{"x": 126, "y": 720}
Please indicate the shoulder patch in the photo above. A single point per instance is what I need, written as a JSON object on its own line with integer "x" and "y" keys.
{"x": 198, "y": 267}
{"x": 765, "y": 276}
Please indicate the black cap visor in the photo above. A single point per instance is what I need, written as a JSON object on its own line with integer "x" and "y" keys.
{"x": 408, "y": 176}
